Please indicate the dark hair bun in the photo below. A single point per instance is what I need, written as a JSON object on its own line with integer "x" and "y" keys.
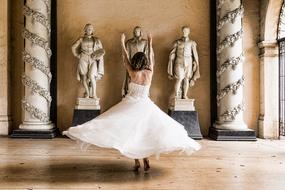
{"x": 140, "y": 62}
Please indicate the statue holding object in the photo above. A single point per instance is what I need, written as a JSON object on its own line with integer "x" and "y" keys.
{"x": 89, "y": 50}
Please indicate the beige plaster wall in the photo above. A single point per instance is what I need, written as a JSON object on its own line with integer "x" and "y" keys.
{"x": 251, "y": 64}
{"x": 110, "y": 18}
{"x": 3, "y": 58}
{"x": 4, "y": 69}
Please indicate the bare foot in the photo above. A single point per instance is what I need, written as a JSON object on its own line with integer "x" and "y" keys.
{"x": 185, "y": 97}
{"x": 86, "y": 95}
{"x": 137, "y": 165}
{"x": 146, "y": 164}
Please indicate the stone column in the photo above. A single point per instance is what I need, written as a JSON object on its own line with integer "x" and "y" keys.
{"x": 269, "y": 93}
{"x": 5, "y": 118}
{"x": 230, "y": 79}
{"x": 229, "y": 123}
{"x": 36, "y": 56}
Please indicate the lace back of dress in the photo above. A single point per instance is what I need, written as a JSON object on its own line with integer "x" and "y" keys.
{"x": 137, "y": 90}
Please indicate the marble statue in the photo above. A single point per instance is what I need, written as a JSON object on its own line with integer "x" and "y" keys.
{"x": 89, "y": 50}
{"x": 183, "y": 65}
{"x": 134, "y": 45}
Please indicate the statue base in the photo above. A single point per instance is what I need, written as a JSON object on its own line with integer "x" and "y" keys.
{"x": 85, "y": 110}
{"x": 189, "y": 119}
{"x": 87, "y": 104}
{"x": 178, "y": 104}
{"x": 232, "y": 135}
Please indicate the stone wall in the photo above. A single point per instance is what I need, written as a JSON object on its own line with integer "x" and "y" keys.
{"x": 251, "y": 64}
{"x": 164, "y": 20}
{"x": 110, "y": 18}
{"x": 4, "y": 70}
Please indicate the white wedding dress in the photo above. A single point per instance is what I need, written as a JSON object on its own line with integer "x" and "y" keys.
{"x": 136, "y": 127}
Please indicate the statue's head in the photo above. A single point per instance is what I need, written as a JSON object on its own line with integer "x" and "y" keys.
{"x": 137, "y": 31}
{"x": 185, "y": 31}
{"x": 140, "y": 62}
{"x": 88, "y": 29}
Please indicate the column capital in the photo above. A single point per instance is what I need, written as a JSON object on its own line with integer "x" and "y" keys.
{"x": 268, "y": 49}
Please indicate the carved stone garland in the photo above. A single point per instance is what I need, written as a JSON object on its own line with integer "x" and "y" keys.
{"x": 230, "y": 60}
{"x": 36, "y": 56}
{"x": 230, "y": 88}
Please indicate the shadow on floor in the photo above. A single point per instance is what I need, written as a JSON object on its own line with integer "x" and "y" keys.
{"x": 77, "y": 170}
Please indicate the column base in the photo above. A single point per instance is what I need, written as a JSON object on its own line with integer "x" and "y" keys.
{"x": 35, "y": 134}
{"x": 36, "y": 126}
{"x": 189, "y": 119}
{"x": 233, "y": 125}
{"x": 232, "y": 135}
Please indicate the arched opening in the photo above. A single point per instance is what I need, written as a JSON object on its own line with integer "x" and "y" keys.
{"x": 269, "y": 69}
{"x": 282, "y": 87}
{"x": 281, "y": 43}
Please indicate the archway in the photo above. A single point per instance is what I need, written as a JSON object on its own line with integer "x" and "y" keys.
{"x": 269, "y": 69}
{"x": 281, "y": 43}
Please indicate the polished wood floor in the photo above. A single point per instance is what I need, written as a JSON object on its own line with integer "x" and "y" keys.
{"x": 59, "y": 164}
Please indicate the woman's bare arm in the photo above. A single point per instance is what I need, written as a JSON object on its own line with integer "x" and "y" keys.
{"x": 150, "y": 51}
{"x": 126, "y": 60}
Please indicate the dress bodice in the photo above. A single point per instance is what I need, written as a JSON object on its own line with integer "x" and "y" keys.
{"x": 137, "y": 90}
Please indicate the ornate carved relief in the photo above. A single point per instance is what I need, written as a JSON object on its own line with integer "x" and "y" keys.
{"x": 37, "y": 82}
{"x": 47, "y": 3}
{"x": 35, "y": 112}
{"x": 232, "y": 62}
{"x": 36, "y": 88}
{"x": 230, "y": 17}
{"x": 37, "y": 64}
{"x": 231, "y": 114}
{"x": 230, "y": 40}
{"x": 37, "y": 16}
{"x": 230, "y": 88}
{"x": 35, "y": 39}
{"x": 230, "y": 59}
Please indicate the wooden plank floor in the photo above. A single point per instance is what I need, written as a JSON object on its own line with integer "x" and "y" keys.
{"x": 59, "y": 164}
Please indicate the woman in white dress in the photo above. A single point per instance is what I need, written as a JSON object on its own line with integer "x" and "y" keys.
{"x": 135, "y": 126}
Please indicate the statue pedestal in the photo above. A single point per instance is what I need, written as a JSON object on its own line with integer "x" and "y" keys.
{"x": 85, "y": 110}
{"x": 87, "y": 104}
{"x": 182, "y": 105}
{"x": 183, "y": 111}
{"x": 189, "y": 119}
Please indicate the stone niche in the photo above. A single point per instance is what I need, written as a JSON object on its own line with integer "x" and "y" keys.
{"x": 162, "y": 18}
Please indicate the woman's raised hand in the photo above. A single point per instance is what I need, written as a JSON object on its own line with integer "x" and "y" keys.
{"x": 149, "y": 37}
{"x": 123, "y": 38}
